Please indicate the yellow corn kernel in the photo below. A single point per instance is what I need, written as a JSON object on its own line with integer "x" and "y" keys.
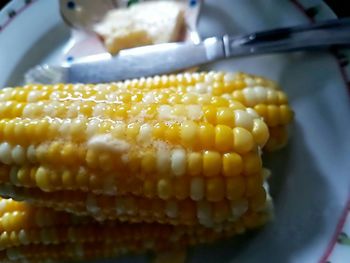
{"x": 82, "y": 179}
{"x": 225, "y": 116}
{"x": 175, "y": 98}
{"x": 148, "y": 163}
{"x": 235, "y": 188}
{"x": 180, "y": 110}
{"x": 194, "y": 163}
{"x": 211, "y": 163}
{"x": 206, "y": 135}
{"x": 151, "y": 112}
{"x": 23, "y": 176}
{"x": 172, "y": 133}
{"x": 232, "y": 164}
{"x": 251, "y": 163}
{"x": 210, "y": 114}
{"x": 132, "y": 130}
{"x": 221, "y": 211}
{"x": 159, "y": 130}
{"x": 9, "y": 130}
{"x": 149, "y": 188}
{"x": 164, "y": 188}
{"x": 260, "y": 132}
{"x": 42, "y": 179}
{"x": 236, "y": 105}
{"x": 273, "y": 116}
{"x": 217, "y": 88}
{"x": 181, "y": 188}
{"x": 253, "y": 183}
{"x": 189, "y": 131}
{"x": 286, "y": 114}
{"x": 272, "y": 97}
{"x": 215, "y": 189}
{"x": 261, "y": 109}
{"x": 219, "y": 101}
{"x": 91, "y": 158}
{"x": 68, "y": 153}
{"x": 68, "y": 179}
{"x": 239, "y": 96}
{"x": 282, "y": 98}
{"x": 189, "y": 99}
{"x": 187, "y": 211}
{"x": 278, "y": 138}
{"x": 258, "y": 200}
{"x": 223, "y": 138}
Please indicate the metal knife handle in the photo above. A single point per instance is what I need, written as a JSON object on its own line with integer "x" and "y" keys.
{"x": 321, "y": 35}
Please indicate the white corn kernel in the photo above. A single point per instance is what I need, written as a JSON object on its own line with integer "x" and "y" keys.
{"x": 23, "y": 237}
{"x": 194, "y": 112}
{"x": 34, "y": 95}
{"x": 5, "y": 153}
{"x": 45, "y": 236}
{"x": 120, "y": 206}
{"x": 252, "y": 112}
{"x": 229, "y": 77}
{"x": 171, "y": 209}
{"x": 91, "y": 204}
{"x": 163, "y": 161}
{"x": 13, "y": 175}
{"x": 197, "y": 188}
{"x": 165, "y": 112}
{"x": 260, "y": 94}
{"x": 250, "y": 96}
{"x": 31, "y": 154}
{"x": 239, "y": 208}
{"x": 178, "y": 162}
{"x": 145, "y": 133}
{"x": 243, "y": 119}
{"x": 204, "y": 210}
{"x": 200, "y": 88}
{"x": 149, "y": 98}
{"x": 18, "y": 155}
{"x": 99, "y": 109}
{"x": 249, "y": 81}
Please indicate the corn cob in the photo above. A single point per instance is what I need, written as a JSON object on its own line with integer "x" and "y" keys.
{"x": 96, "y": 151}
{"x": 134, "y": 209}
{"x": 32, "y": 233}
{"x": 140, "y": 154}
{"x": 220, "y": 89}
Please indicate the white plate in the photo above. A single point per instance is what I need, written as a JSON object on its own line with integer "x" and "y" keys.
{"x": 311, "y": 179}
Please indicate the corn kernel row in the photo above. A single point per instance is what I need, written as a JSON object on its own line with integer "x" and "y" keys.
{"x": 31, "y": 240}
{"x": 138, "y": 209}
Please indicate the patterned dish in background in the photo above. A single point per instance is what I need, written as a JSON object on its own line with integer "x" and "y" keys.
{"x": 310, "y": 182}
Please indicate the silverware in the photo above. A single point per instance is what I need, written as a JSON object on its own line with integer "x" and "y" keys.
{"x": 171, "y": 57}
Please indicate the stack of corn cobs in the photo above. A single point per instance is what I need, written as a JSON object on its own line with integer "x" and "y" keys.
{"x": 160, "y": 164}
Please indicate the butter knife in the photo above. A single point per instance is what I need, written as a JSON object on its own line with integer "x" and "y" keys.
{"x": 172, "y": 57}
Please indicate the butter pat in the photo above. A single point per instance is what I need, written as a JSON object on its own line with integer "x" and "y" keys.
{"x": 145, "y": 23}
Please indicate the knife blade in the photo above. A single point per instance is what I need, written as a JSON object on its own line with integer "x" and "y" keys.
{"x": 172, "y": 57}
{"x": 146, "y": 61}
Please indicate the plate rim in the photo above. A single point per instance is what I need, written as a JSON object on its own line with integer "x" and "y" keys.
{"x": 15, "y": 7}
{"x": 11, "y": 10}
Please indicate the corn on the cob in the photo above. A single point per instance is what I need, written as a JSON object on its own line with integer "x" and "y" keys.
{"x": 182, "y": 152}
{"x": 32, "y": 233}
{"x": 217, "y": 88}
{"x": 163, "y": 150}
{"x": 252, "y": 198}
